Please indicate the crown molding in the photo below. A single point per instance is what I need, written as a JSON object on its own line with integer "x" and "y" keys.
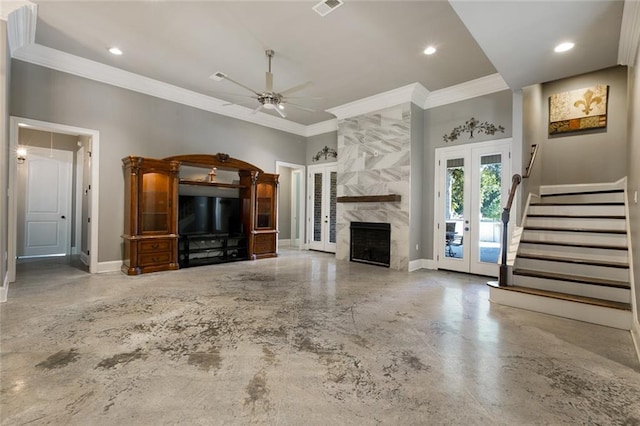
{"x": 6, "y": 7}
{"x": 629, "y": 33}
{"x": 471, "y": 89}
{"x": 380, "y": 101}
{"x": 21, "y": 26}
{"x": 65, "y": 62}
{"x": 322, "y": 127}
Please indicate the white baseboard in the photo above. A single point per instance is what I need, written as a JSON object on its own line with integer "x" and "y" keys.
{"x": 414, "y": 265}
{"x": 4, "y": 290}
{"x": 84, "y": 258}
{"x": 284, "y": 243}
{"x": 113, "y": 266}
{"x": 635, "y": 336}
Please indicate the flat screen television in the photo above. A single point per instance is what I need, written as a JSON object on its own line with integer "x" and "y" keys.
{"x": 199, "y": 214}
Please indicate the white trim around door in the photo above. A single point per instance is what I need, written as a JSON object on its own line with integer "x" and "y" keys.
{"x": 94, "y": 137}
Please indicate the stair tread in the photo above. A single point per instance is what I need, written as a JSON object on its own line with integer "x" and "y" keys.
{"x": 570, "y": 297}
{"x": 600, "y": 191}
{"x": 595, "y": 231}
{"x": 577, "y": 216}
{"x": 571, "y": 278}
{"x": 605, "y": 203}
{"x": 576, "y": 261}
{"x": 556, "y": 243}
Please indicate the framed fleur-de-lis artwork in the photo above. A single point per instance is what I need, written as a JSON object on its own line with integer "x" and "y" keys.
{"x": 578, "y": 110}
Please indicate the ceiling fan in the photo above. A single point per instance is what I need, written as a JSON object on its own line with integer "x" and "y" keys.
{"x": 268, "y": 99}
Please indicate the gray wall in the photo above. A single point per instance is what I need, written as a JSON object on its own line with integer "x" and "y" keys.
{"x": 5, "y": 62}
{"x": 284, "y": 206}
{"x": 417, "y": 179}
{"x": 132, "y": 123}
{"x": 633, "y": 183}
{"x": 495, "y": 108}
{"x": 586, "y": 157}
{"x": 532, "y": 133}
{"x": 316, "y": 143}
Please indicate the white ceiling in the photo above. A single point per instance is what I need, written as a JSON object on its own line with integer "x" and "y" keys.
{"x": 361, "y": 49}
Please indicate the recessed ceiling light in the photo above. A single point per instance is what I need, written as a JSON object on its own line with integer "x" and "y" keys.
{"x": 115, "y": 51}
{"x": 430, "y": 50}
{"x": 563, "y": 47}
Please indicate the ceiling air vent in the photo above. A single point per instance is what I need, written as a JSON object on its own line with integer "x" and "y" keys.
{"x": 324, "y": 7}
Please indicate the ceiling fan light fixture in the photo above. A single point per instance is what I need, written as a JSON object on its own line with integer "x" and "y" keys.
{"x": 563, "y": 47}
{"x": 280, "y": 106}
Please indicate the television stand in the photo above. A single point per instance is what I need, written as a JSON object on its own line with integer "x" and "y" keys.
{"x": 208, "y": 249}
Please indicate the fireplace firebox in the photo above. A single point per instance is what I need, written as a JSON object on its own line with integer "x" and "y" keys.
{"x": 371, "y": 243}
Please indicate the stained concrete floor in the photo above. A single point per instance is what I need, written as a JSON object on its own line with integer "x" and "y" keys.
{"x": 301, "y": 339}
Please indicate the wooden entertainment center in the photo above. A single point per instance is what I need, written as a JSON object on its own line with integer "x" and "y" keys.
{"x": 152, "y": 241}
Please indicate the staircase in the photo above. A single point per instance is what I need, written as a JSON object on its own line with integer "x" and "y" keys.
{"x": 573, "y": 259}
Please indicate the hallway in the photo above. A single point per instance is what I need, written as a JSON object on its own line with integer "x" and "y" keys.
{"x": 299, "y": 339}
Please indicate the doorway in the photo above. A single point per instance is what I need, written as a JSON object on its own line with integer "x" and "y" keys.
{"x": 472, "y": 184}
{"x": 87, "y": 190}
{"x": 290, "y": 204}
{"x": 321, "y": 207}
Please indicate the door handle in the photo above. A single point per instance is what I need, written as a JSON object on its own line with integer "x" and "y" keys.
{"x": 63, "y": 217}
{"x": 466, "y": 228}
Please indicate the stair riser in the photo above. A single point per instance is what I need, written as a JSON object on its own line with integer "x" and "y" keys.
{"x": 578, "y": 210}
{"x": 620, "y": 256}
{"x": 576, "y": 237}
{"x": 617, "y": 197}
{"x": 588, "y": 271}
{"x": 571, "y": 223}
{"x": 580, "y": 289}
{"x": 579, "y": 311}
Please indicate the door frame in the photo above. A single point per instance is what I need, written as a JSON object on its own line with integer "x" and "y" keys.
{"x": 324, "y": 168}
{"x": 437, "y": 211}
{"x": 70, "y": 207}
{"x": 14, "y": 126}
{"x": 301, "y": 196}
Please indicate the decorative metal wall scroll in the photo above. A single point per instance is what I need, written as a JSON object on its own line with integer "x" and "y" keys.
{"x": 470, "y": 126}
{"x": 325, "y": 152}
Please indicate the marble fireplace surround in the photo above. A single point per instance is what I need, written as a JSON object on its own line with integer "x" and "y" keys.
{"x": 374, "y": 152}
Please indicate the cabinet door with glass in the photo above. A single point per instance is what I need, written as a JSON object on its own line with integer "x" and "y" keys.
{"x": 155, "y": 203}
{"x": 266, "y": 201}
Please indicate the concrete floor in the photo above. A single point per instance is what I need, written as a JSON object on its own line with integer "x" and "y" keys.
{"x": 301, "y": 339}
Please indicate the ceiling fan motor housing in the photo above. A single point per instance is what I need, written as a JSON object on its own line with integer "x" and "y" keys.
{"x": 270, "y": 100}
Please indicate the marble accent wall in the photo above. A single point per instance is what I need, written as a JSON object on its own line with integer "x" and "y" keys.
{"x": 374, "y": 158}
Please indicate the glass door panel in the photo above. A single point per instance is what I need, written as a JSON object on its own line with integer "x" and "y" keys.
{"x": 322, "y": 207}
{"x": 316, "y": 224}
{"x": 454, "y": 208}
{"x": 333, "y": 184}
{"x": 154, "y": 208}
{"x": 490, "y": 190}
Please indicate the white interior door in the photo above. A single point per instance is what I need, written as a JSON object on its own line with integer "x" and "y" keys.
{"x": 473, "y": 185}
{"x": 322, "y": 207}
{"x": 47, "y": 202}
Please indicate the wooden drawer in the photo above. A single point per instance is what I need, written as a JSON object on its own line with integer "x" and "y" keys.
{"x": 154, "y": 246}
{"x": 154, "y": 258}
{"x": 265, "y": 243}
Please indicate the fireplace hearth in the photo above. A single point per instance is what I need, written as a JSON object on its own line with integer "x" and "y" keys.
{"x": 371, "y": 243}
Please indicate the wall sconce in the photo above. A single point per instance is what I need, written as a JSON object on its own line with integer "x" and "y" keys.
{"x": 21, "y": 154}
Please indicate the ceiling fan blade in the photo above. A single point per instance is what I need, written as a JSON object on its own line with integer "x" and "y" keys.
{"x": 301, "y": 107}
{"x": 269, "y": 81}
{"x": 241, "y": 85}
{"x": 240, "y": 103}
{"x": 296, "y": 88}
{"x": 281, "y": 112}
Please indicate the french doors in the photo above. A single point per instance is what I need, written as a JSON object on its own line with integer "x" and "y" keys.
{"x": 472, "y": 186}
{"x": 322, "y": 207}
